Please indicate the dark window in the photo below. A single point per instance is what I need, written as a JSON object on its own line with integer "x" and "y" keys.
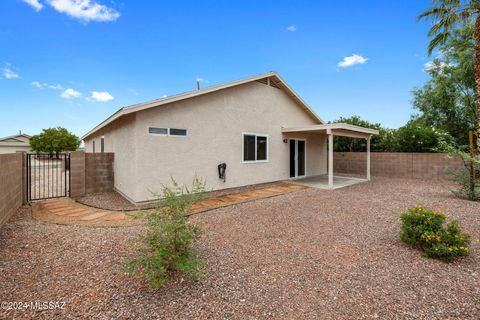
{"x": 261, "y": 148}
{"x": 153, "y": 130}
{"x": 255, "y": 148}
{"x": 248, "y": 148}
{"x": 102, "y": 145}
{"x": 93, "y": 144}
{"x": 178, "y": 132}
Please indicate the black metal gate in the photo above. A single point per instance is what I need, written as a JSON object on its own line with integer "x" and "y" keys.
{"x": 48, "y": 176}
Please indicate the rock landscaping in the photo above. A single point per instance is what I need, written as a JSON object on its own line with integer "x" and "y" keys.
{"x": 309, "y": 254}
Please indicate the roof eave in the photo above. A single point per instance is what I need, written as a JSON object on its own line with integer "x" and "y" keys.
{"x": 187, "y": 95}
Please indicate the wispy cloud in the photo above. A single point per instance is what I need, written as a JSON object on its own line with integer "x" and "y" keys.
{"x": 101, "y": 96}
{"x": 85, "y": 10}
{"x": 9, "y": 73}
{"x": 352, "y": 60}
{"x": 202, "y": 80}
{"x": 436, "y": 65}
{"x": 44, "y": 85}
{"x": 292, "y": 28}
{"x": 70, "y": 94}
{"x": 35, "y": 4}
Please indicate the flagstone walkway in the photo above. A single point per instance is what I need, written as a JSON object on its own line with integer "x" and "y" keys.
{"x": 67, "y": 211}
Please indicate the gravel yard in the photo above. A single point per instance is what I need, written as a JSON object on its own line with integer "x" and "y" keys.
{"x": 307, "y": 255}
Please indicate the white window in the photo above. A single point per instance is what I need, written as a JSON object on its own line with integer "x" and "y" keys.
{"x": 255, "y": 147}
{"x": 167, "y": 131}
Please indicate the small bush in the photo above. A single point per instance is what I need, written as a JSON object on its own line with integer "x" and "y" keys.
{"x": 167, "y": 246}
{"x": 427, "y": 229}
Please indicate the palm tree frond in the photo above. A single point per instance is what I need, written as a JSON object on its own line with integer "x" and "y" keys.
{"x": 438, "y": 40}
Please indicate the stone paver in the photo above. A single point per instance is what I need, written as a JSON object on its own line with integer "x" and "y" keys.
{"x": 67, "y": 211}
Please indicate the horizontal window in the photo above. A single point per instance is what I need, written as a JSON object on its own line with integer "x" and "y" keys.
{"x": 162, "y": 131}
{"x": 255, "y": 147}
{"x": 167, "y": 131}
{"x": 178, "y": 132}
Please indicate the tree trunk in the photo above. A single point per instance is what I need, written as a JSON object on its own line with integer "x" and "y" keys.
{"x": 477, "y": 77}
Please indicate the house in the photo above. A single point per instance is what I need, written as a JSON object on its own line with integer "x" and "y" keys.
{"x": 258, "y": 127}
{"x": 16, "y": 143}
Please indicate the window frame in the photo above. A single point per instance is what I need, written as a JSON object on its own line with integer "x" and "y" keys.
{"x": 158, "y": 134}
{"x": 93, "y": 146}
{"x": 178, "y": 135}
{"x": 168, "y": 132}
{"x": 264, "y": 135}
{"x": 102, "y": 144}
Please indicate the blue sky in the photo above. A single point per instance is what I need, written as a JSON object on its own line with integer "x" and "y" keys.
{"x": 72, "y": 63}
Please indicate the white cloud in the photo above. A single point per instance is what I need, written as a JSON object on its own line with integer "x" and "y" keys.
{"x": 9, "y": 74}
{"x": 35, "y": 4}
{"x": 102, "y": 96}
{"x": 70, "y": 94}
{"x": 38, "y": 85}
{"x": 352, "y": 60}
{"x": 436, "y": 65}
{"x": 86, "y": 10}
{"x": 55, "y": 86}
{"x": 44, "y": 85}
{"x": 292, "y": 28}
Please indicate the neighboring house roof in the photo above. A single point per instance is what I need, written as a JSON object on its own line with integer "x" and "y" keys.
{"x": 271, "y": 77}
{"x": 15, "y": 140}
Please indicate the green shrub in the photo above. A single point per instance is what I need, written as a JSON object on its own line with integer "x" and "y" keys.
{"x": 427, "y": 229}
{"x": 167, "y": 245}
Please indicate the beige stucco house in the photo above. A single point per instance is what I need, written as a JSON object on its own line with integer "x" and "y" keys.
{"x": 16, "y": 143}
{"x": 258, "y": 126}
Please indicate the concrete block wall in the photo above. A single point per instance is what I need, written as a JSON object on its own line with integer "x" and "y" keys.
{"x": 77, "y": 174}
{"x": 98, "y": 172}
{"x": 397, "y": 164}
{"x": 91, "y": 173}
{"x": 11, "y": 185}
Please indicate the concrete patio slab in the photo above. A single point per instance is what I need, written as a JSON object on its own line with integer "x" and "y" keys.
{"x": 321, "y": 182}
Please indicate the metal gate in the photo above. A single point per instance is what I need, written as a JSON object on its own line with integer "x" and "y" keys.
{"x": 48, "y": 176}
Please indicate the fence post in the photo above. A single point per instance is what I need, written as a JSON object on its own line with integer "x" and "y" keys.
{"x": 77, "y": 174}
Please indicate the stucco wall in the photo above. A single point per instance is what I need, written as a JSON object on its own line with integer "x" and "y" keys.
{"x": 11, "y": 185}
{"x": 215, "y": 123}
{"x": 13, "y": 149}
{"x": 119, "y": 139}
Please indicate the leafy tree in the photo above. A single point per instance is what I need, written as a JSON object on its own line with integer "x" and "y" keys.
{"x": 447, "y": 100}
{"x": 345, "y": 144}
{"x": 448, "y": 16}
{"x": 416, "y": 137}
{"x": 54, "y": 140}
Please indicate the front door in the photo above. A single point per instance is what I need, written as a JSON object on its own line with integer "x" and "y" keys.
{"x": 297, "y": 158}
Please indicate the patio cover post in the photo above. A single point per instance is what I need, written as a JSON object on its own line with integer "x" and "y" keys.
{"x": 368, "y": 157}
{"x": 330, "y": 160}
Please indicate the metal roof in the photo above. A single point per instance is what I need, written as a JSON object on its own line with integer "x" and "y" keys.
{"x": 339, "y": 129}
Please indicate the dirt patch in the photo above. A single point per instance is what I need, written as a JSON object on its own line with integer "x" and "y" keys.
{"x": 309, "y": 254}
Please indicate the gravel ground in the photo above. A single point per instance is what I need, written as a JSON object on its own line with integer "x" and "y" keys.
{"x": 306, "y": 255}
{"x": 115, "y": 201}
{"x": 108, "y": 200}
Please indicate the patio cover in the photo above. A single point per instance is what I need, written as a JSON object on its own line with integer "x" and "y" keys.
{"x": 336, "y": 129}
